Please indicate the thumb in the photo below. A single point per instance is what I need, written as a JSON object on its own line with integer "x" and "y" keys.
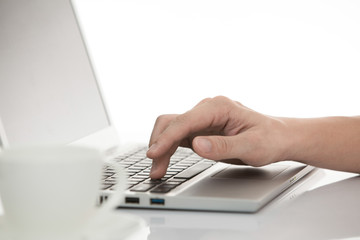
{"x": 216, "y": 147}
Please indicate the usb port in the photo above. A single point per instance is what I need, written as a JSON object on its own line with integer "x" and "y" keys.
{"x": 157, "y": 201}
{"x": 132, "y": 200}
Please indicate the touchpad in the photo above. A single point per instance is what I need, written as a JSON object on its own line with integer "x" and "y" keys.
{"x": 248, "y": 172}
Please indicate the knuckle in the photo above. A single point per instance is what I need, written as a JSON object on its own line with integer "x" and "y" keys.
{"x": 224, "y": 105}
{"x": 160, "y": 118}
{"x": 163, "y": 119}
{"x": 221, "y": 99}
{"x": 223, "y": 102}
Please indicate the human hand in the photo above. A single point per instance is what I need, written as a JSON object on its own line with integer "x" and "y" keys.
{"x": 218, "y": 129}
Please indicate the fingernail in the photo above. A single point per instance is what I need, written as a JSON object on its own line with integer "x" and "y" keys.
{"x": 204, "y": 145}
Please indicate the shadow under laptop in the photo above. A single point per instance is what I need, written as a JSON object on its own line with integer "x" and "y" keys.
{"x": 327, "y": 212}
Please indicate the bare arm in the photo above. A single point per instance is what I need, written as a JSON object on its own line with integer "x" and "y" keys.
{"x": 330, "y": 142}
{"x": 224, "y": 130}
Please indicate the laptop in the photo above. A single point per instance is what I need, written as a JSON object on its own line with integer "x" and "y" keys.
{"x": 49, "y": 95}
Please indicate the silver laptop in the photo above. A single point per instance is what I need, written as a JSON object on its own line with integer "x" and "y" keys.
{"x": 49, "y": 95}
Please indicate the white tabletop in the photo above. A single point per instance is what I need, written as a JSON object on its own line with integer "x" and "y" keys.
{"x": 325, "y": 205}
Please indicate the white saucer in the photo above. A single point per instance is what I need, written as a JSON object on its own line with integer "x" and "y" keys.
{"x": 113, "y": 226}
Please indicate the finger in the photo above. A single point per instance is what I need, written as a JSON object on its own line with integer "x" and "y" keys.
{"x": 160, "y": 164}
{"x": 165, "y": 139}
{"x": 158, "y": 168}
{"x": 187, "y": 142}
{"x": 161, "y": 123}
{"x": 208, "y": 115}
{"x": 223, "y": 148}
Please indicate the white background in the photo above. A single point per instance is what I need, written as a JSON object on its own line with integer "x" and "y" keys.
{"x": 284, "y": 58}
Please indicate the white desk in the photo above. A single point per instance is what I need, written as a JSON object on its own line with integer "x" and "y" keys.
{"x": 325, "y": 205}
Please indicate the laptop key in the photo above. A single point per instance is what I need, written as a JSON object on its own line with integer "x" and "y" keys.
{"x": 194, "y": 170}
{"x": 143, "y": 187}
{"x": 163, "y": 188}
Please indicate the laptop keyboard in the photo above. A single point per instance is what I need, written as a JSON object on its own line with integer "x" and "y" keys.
{"x": 183, "y": 166}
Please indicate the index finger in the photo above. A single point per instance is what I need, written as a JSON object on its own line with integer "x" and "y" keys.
{"x": 209, "y": 114}
{"x": 163, "y": 121}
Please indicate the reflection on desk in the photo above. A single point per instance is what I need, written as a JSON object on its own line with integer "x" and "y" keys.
{"x": 330, "y": 210}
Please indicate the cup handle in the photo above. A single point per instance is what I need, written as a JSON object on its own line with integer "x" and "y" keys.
{"x": 117, "y": 196}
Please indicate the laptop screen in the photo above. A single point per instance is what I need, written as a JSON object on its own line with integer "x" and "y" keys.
{"x": 48, "y": 92}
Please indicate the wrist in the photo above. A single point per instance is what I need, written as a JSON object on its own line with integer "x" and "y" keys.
{"x": 295, "y": 139}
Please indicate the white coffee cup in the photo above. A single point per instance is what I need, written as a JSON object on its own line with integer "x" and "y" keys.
{"x": 50, "y": 192}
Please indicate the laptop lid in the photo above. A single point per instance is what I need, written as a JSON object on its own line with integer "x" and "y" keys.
{"x": 48, "y": 90}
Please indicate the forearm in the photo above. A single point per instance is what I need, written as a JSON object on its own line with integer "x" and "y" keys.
{"x": 331, "y": 142}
